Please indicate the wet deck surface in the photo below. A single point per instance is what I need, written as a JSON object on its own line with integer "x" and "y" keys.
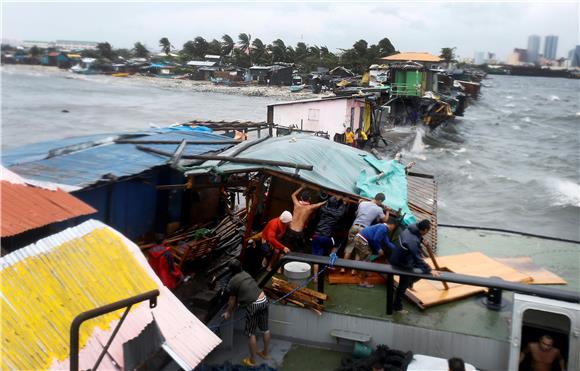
{"x": 467, "y": 316}
{"x": 284, "y": 356}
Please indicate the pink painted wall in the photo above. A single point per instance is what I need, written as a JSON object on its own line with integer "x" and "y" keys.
{"x": 332, "y": 116}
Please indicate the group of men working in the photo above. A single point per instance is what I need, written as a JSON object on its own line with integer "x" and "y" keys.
{"x": 367, "y": 237}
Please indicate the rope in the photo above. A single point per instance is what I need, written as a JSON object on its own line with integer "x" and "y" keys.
{"x": 508, "y": 231}
{"x": 331, "y": 261}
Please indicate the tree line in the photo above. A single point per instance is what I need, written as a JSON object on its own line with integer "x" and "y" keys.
{"x": 247, "y": 51}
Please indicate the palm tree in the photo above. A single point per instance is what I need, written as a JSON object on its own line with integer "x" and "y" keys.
{"x": 245, "y": 41}
{"x": 200, "y": 46}
{"x": 227, "y": 45}
{"x": 448, "y": 55}
{"x": 260, "y": 52}
{"x": 140, "y": 51}
{"x": 165, "y": 45}
{"x": 106, "y": 51}
{"x": 278, "y": 50}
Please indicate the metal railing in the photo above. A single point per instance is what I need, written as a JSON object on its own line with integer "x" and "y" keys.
{"x": 79, "y": 319}
{"x": 390, "y": 272}
{"x": 413, "y": 90}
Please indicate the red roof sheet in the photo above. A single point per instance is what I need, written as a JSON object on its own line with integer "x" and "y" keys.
{"x": 25, "y": 207}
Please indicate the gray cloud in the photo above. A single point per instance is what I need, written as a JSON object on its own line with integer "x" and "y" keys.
{"x": 415, "y": 26}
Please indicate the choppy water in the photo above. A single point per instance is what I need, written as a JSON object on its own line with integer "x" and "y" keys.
{"x": 512, "y": 162}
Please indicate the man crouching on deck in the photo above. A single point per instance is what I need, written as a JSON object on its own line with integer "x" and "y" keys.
{"x": 294, "y": 237}
{"x": 243, "y": 289}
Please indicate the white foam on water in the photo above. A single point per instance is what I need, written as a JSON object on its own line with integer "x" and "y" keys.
{"x": 527, "y": 119}
{"x": 461, "y": 150}
{"x": 509, "y": 105}
{"x": 564, "y": 192}
{"x": 418, "y": 145}
{"x": 578, "y": 114}
{"x": 516, "y": 127}
{"x": 509, "y": 97}
{"x": 554, "y": 98}
{"x": 468, "y": 162}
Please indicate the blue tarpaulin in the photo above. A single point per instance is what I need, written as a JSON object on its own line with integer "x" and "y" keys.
{"x": 393, "y": 183}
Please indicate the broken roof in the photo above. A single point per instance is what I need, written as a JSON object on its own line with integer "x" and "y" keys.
{"x": 26, "y": 207}
{"x": 47, "y": 284}
{"x": 77, "y": 163}
{"x": 335, "y": 167}
{"x": 412, "y": 56}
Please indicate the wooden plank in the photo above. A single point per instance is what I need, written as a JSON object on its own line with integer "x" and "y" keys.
{"x": 540, "y": 275}
{"x": 427, "y": 293}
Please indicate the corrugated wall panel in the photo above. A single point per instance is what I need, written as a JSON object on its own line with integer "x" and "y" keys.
{"x": 45, "y": 285}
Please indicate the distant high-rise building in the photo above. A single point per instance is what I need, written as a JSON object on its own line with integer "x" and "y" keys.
{"x": 550, "y": 47}
{"x": 574, "y": 56}
{"x": 533, "y": 48}
{"x": 479, "y": 58}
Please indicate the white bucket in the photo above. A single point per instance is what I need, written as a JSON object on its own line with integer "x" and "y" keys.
{"x": 296, "y": 272}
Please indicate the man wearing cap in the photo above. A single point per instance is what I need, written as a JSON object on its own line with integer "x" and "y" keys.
{"x": 273, "y": 233}
{"x": 366, "y": 214}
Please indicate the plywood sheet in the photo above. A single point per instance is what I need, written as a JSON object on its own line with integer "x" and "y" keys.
{"x": 540, "y": 276}
{"x": 427, "y": 293}
{"x": 480, "y": 265}
{"x": 335, "y": 277}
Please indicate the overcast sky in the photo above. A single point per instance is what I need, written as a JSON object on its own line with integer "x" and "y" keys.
{"x": 411, "y": 26}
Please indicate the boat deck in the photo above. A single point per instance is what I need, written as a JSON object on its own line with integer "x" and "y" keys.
{"x": 468, "y": 316}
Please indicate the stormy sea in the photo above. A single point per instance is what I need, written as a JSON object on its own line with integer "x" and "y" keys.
{"x": 512, "y": 162}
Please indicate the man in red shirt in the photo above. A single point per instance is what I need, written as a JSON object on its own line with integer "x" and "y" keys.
{"x": 273, "y": 233}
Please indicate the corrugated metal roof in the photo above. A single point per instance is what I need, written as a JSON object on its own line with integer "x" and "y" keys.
{"x": 25, "y": 207}
{"x": 86, "y": 165}
{"x": 413, "y": 56}
{"x": 47, "y": 284}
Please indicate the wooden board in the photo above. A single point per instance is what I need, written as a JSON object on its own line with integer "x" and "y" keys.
{"x": 540, "y": 276}
{"x": 335, "y": 277}
{"x": 427, "y": 293}
{"x": 480, "y": 265}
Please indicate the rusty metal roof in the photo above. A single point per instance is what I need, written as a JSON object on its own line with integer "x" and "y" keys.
{"x": 26, "y": 207}
{"x": 47, "y": 284}
{"x": 412, "y": 56}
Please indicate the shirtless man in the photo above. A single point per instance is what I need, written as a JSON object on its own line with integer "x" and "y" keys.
{"x": 543, "y": 354}
{"x": 303, "y": 209}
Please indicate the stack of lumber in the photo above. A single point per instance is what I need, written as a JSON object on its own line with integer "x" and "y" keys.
{"x": 304, "y": 297}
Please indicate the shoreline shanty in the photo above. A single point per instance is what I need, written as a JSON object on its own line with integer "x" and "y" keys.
{"x": 197, "y": 86}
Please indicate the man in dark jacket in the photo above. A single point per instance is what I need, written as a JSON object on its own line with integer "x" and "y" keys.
{"x": 330, "y": 215}
{"x": 407, "y": 256}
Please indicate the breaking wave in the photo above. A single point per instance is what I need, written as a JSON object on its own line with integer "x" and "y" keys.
{"x": 554, "y": 98}
{"x": 418, "y": 144}
{"x": 564, "y": 192}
